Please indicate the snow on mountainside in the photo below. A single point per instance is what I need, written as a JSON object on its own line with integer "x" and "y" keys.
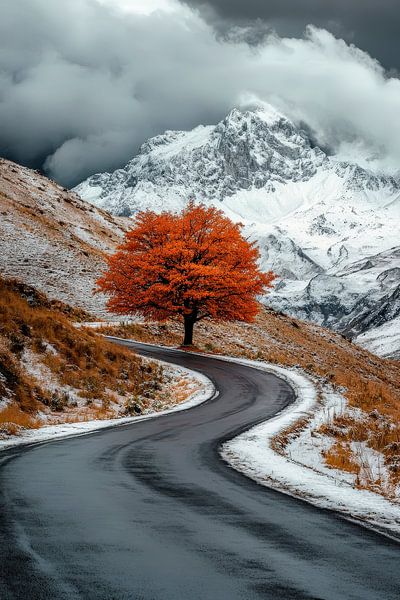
{"x": 383, "y": 340}
{"x": 53, "y": 240}
{"x": 330, "y": 229}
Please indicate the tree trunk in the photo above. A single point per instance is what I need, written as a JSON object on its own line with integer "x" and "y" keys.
{"x": 189, "y": 321}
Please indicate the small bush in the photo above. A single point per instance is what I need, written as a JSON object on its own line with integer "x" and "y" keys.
{"x": 133, "y": 407}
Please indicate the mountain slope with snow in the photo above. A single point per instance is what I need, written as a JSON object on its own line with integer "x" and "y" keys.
{"x": 330, "y": 229}
{"x": 53, "y": 240}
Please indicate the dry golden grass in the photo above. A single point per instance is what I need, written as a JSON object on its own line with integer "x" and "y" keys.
{"x": 339, "y": 456}
{"x": 62, "y": 240}
{"x": 369, "y": 383}
{"x": 94, "y": 367}
{"x": 281, "y": 440}
{"x": 13, "y": 419}
{"x": 13, "y": 381}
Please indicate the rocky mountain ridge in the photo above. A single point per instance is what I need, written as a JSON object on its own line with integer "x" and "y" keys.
{"x": 251, "y": 150}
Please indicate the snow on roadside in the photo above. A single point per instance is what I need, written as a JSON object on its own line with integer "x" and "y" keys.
{"x": 205, "y": 391}
{"x": 301, "y": 472}
{"x": 102, "y": 324}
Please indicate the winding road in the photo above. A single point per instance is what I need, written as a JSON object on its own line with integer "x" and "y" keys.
{"x": 149, "y": 511}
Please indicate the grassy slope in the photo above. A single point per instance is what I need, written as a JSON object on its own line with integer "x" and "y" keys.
{"x": 370, "y": 384}
{"x": 52, "y": 372}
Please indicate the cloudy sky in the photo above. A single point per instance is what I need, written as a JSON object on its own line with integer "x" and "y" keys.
{"x": 83, "y": 83}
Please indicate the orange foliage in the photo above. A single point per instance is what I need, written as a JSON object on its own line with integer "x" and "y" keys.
{"x": 195, "y": 265}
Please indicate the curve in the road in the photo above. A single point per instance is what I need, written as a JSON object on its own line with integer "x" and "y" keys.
{"x": 150, "y": 511}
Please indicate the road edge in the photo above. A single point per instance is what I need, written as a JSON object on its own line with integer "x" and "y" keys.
{"x": 62, "y": 431}
{"x": 251, "y": 454}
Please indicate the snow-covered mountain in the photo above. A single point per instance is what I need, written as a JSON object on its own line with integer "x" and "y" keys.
{"x": 330, "y": 229}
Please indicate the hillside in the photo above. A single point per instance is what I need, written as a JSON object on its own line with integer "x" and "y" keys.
{"x": 329, "y": 228}
{"x": 52, "y": 372}
{"x": 51, "y": 239}
{"x": 370, "y": 414}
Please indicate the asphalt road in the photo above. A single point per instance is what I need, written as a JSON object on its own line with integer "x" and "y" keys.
{"x": 149, "y": 511}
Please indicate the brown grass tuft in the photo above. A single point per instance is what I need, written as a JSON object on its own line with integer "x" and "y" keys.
{"x": 13, "y": 419}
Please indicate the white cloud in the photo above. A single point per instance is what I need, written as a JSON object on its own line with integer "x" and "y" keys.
{"x": 143, "y": 7}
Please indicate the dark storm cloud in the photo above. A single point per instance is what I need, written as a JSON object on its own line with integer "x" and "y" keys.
{"x": 372, "y": 25}
{"x": 82, "y": 86}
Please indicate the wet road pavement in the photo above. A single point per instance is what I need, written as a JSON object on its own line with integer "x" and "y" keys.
{"x": 150, "y": 511}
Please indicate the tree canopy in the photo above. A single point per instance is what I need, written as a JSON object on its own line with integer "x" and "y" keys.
{"x": 194, "y": 265}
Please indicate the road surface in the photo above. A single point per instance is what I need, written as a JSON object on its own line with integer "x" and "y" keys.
{"x": 149, "y": 511}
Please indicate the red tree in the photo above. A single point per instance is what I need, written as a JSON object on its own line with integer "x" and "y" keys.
{"x": 193, "y": 265}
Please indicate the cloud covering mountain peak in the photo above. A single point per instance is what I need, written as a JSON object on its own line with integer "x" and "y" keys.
{"x": 82, "y": 86}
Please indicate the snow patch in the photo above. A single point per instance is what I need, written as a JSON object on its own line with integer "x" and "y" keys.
{"x": 383, "y": 340}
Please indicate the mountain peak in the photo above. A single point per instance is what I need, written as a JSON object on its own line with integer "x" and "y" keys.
{"x": 248, "y": 149}
{"x": 266, "y": 113}
{"x": 251, "y": 119}
{"x": 256, "y": 161}
{"x": 257, "y": 111}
